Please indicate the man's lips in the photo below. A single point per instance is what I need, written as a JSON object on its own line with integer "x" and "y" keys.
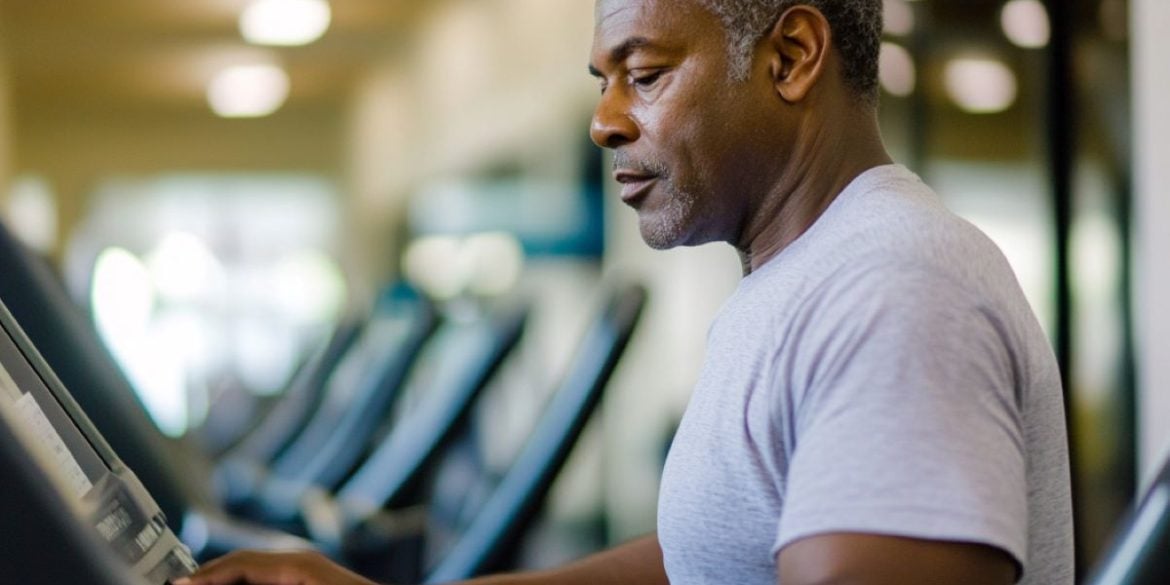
{"x": 635, "y": 184}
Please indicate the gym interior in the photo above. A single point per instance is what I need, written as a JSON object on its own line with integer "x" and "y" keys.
{"x": 350, "y": 274}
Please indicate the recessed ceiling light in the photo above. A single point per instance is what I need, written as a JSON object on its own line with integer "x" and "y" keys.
{"x": 248, "y": 91}
{"x": 898, "y": 17}
{"x": 896, "y": 70}
{"x": 284, "y": 22}
{"x": 1026, "y": 24}
{"x": 980, "y": 85}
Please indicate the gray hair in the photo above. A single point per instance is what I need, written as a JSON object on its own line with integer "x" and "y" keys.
{"x": 856, "y": 26}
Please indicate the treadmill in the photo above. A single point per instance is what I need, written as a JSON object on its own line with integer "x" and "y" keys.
{"x": 1139, "y": 553}
{"x": 43, "y": 540}
{"x": 34, "y": 297}
{"x": 93, "y": 482}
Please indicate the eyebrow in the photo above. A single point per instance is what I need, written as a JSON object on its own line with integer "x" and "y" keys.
{"x": 622, "y": 52}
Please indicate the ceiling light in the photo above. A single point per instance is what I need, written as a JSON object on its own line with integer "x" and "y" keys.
{"x": 896, "y": 70}
{"x": 1025, "y": 23}
{"x": 284, "y": 22}
{"x": 980, "y": 85}
{"x": 898, "y": 17}
{"x": 248, "y": 91}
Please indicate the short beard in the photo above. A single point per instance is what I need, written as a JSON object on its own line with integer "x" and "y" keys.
{"x": 664, "y": 229}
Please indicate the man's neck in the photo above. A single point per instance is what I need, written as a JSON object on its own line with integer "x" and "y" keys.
{"x": 831, "y": 158}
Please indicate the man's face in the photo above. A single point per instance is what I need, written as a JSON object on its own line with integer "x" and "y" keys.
{"x": 690, "y": 146}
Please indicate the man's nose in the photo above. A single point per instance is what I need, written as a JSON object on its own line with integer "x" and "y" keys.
{"x": 612, "y": 124}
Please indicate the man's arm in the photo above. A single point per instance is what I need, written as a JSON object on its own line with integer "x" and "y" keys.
{"x": 635, "y": 563}
{"x": 638, "y": 562}
{"x": 860, "y": 559}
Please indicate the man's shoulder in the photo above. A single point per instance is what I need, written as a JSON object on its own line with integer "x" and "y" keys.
{"x": 902, "y": 229}
{"x": 891, "y": 244}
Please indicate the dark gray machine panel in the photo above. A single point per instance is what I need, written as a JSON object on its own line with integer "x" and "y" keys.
{"x": 87, "y": 472}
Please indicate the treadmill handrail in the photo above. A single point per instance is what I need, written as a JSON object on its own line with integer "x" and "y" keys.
{"x": 404, "y": 453}
{"x": 273, "y": 434}
{"x": 330, "y": 438}
{"x": 517, "y": 498}
{"x": 1139, "y": 553}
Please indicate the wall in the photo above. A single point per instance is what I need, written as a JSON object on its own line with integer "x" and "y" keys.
{"x": 481, "y": 83}
{"x": 1150, "y": 20}
{"x": 74, "y": 150}
{"x": 5, "y": 130}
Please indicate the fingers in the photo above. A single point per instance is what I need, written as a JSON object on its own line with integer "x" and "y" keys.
{"x": 257, "y": 568}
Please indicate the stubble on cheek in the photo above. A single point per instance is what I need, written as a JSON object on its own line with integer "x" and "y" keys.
{"x": 665, "y": 226}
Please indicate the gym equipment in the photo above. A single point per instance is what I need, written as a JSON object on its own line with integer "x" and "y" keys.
{"x": 1139, "y": 554}
{"x": 91, "y": 480}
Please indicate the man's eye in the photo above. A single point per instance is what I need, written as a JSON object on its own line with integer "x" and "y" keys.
{"x": 647, "y": 80}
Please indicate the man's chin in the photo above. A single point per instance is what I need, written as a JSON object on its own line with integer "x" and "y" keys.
{"x": 659, "y": 238}
{"x": 657, "y": 245}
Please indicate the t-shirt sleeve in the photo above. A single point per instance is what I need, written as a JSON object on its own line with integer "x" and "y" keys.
{"x": 906, "y": 415}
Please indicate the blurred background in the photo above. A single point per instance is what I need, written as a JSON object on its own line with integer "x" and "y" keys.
{"x": 219, "y": 182}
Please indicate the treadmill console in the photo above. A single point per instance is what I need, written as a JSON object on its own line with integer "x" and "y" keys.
{"x": 105, "y": 494}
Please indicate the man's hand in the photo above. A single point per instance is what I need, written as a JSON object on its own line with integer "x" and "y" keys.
{"x": 260, "y": 568}
{"x": 635, "y": 563}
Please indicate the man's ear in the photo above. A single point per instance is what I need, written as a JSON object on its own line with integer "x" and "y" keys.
{"x": 798, "y": 47}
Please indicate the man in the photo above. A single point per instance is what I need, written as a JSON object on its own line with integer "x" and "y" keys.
{"x": 878, "y": 404}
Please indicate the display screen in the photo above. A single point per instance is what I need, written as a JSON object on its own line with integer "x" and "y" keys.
{"x": 28, "y": 398}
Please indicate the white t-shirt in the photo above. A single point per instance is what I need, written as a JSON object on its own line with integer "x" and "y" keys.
{"x": 883, "y": 374}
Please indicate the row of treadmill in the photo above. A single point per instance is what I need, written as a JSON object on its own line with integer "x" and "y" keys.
{"x": 371, "y": 456}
